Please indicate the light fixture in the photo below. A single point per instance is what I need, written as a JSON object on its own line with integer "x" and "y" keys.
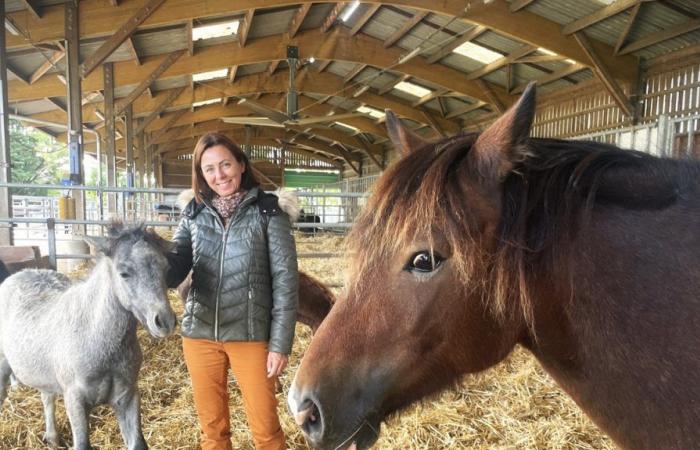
{"x": 312, "y": 60}
{"x": 347, "y": 12}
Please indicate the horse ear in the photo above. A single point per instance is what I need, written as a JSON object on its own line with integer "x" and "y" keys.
{"x": 502, "y": 144}
{"x": 404, "y": 140}
{"x": 100, "y": 244}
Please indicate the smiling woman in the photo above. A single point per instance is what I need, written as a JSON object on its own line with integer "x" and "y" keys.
{"x": 241, "y": 308}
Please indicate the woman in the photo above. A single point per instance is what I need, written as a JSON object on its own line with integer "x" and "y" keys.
{"x": 241, "y": 310}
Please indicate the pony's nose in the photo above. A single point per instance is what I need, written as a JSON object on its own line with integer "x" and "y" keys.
{"x": 165, "y": 322}
{"x": 308, "y": 416}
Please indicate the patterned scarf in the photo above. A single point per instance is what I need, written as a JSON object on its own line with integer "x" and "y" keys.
{"x": 225, "y": 206}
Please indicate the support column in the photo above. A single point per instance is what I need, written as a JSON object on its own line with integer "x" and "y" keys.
{"x": 5, "y": 158}
{"x": 140, "y": 148}
{"x": 75, "y": 109}
{"x": 108, "y": 72}
{"x": 129, "y": 197}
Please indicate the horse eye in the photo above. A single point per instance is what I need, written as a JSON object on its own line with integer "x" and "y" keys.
{"x": 124, "y": 274}
{"x": 424, "y": 262}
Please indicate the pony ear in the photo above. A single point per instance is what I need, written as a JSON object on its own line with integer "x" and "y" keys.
{"x": 100, "y": 244}
{"x": 501, "y": 145}
{"x": 404, "y": 140}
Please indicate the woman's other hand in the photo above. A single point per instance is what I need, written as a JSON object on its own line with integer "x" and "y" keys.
{"x": 276, "y": 362}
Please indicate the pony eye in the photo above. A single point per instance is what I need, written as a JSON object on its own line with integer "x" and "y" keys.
{"x": 424, "y": 261}
{"x": 124, "y": 274}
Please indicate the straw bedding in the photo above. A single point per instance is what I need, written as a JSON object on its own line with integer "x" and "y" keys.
{"x": 513, "y": 406}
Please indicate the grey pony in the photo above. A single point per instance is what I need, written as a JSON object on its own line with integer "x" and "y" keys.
{"x": 79, "y": 340}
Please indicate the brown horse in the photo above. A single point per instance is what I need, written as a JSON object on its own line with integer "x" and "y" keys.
{"x": 585, "y": 254}
{"x": 315, "y": 299}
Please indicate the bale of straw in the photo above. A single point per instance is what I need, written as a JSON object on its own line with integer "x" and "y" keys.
{"x": 513, "y": 406}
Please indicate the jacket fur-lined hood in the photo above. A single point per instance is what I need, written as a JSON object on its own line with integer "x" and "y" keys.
{"x": 287, "y": 201}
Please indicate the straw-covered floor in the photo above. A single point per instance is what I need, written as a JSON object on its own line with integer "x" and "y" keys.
{"x": 513, "y": 406}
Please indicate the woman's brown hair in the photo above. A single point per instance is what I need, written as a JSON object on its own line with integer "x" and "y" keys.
{"x": 199, "y": 184}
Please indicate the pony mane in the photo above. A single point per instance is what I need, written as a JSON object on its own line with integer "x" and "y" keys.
{"x": 544, "y": 201}
{"x": 119, "y": 232}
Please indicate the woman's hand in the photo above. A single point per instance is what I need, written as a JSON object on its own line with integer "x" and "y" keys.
{"x": 276, "y": 362}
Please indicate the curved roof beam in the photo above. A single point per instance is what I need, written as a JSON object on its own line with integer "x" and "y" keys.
{"x": 338, "y": 44}
{"x": 98, "y": 20}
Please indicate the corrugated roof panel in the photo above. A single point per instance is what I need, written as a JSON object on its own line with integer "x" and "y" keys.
{"x": 384, "y": 23}
{"x": 341, "y": 68}
{"x": 160, "y": 42}
{"x": 497, "y": 42}
{"x": 34, "y": 107}
{"x": 461, "y": 63}
{"x": 250, "y": 69}
{"x": 271, "y": 23}
{"x": 317, "y": 15}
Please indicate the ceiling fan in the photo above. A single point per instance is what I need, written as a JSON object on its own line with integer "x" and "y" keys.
{"x": 274, "y": 118}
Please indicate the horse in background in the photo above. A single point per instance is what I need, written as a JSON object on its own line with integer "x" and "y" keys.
{"x": 79, "y": 340}
{"x": 585, "y": 254}
{"x": 315, "y": 299}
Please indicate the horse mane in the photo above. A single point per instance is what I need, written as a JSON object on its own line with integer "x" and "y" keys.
{"x": 544, "y": 201}
{"x": 119, "y": 232}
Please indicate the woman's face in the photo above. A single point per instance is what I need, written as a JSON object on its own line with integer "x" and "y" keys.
{"x": 221, "y": 170}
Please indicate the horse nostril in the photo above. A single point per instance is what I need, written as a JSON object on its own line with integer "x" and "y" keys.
{"x": 158, "y": 322}
{"x": 308, "y": 417}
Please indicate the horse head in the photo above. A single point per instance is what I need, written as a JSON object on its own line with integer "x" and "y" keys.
{"x": 137, "y": 267}
{"x": 422, "y": 305}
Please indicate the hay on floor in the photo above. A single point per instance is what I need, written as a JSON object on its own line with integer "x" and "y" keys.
{"x": 513, "y": 406}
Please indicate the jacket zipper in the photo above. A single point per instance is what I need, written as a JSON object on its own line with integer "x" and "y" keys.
{"x": 221, "y": 267}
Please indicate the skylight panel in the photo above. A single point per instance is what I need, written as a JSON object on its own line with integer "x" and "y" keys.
{"x": 477, "y": 52}
{"x": 347, "y": 12}
{"x": 412, "y": 89}
{"x": 215, "y": 30}
{"x": 206, "y": 102}
{"x": 545, "y": 51}
{"x": 214, "y": 74}
{"x": 371, "y": 112}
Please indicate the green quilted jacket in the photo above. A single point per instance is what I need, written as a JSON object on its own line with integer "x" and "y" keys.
{"x": 244, "y": 275}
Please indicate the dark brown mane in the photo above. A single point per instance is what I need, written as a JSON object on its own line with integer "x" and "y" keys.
{"x": 544, "y": 200}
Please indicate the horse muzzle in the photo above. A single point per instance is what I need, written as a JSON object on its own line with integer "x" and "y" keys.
{"x": 337, "y": 435}
{"x": 161, "y": 324}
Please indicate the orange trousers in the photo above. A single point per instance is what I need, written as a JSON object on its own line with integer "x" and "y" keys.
{"x": 208, "y": 363}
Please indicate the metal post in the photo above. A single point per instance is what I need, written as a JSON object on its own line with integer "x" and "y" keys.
{"x": 51, "y": 228}
{"x": 108, "y": 72}
{"x": 5, "y": 157}
{"x": 129, "y": 198}
{"x": 664, "y": 143}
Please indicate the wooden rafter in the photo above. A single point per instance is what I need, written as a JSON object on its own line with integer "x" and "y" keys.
{"x": 116, "y": 39}
{"x": 244, "y": 27}
{"x": 172, "y": 118}
{"x": 232, "y": 74}
{"x": 33, "y": 7}
{"x": 146, "y": 83}
{"x": 466, "y": 109}
{"x": 405, "y": 28}
{"x": 273, "y": 66}
{"x": 189, "y": 30}
{"x": 324, "y": 64}
{"x": 434, "y": 125}
{"x": 332, "y": 16}
{"x": 390, "y": 85}
{"x": 428, "y": 97}
{"x": 60, "y": 105}
{"x": 161, "y": 107}
{"x": 46, "y": 66}
{"x": 524, "y": 26}
{"x": 622, "y": 39}
{"x": 655, "y": 38}
{"x": 493, "y": 98}
{"x": 517, "y": 5}
{"x": 606, "y": 12}
{"x": 354, "y": 72}
{"x": 538, "y": 59}
{"x": 488, "y": 68}
{"x": 558, "y": 75}
{"x": 364, "y": 19}
{"x": 15, "y": 72}
{"x": 456, "y": 42}
{"x": 298, "y": 19}
{"x": 132, "y": 48}
{"x": 605, "y": 76}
